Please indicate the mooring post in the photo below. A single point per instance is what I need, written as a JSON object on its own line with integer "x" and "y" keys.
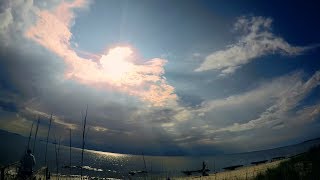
{"x": 47, "y": 177}
{"x": 2, "y": 174}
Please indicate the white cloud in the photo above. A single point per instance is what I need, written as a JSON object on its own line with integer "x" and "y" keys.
{"x": 55, "y": 119}
{"x": 269, "y": 110}
{"x": 257, "y": 40}
{"x": 99, "y": 128}
{"x": 240, "y": 108}
{"x": 5, "y": 18}
{"x": 273, "y": 109}
{"x": 16, "y": 16}
{"x": 282, "y": 110}
{"x": 117, "y": 69}
{"x": 196, "y": 54}
{"x": 14, "y": 123}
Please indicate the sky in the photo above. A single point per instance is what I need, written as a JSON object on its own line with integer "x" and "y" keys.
{"x": 181, "y": 77}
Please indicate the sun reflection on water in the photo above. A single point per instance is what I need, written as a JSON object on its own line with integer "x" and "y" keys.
{"x": 108, "y": 154}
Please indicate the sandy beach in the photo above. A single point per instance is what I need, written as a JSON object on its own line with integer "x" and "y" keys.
{"x": 247, "y": 172}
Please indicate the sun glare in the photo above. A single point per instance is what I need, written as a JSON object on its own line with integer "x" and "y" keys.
{"x": 116, "y": 63}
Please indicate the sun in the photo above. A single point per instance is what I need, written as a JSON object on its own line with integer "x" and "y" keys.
{"x": 116, "y": 63}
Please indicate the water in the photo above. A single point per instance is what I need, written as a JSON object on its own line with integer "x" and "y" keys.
{"x": 104, "y": 164}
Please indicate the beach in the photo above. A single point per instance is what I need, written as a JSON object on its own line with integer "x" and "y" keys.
{"x": 247, "y": 172}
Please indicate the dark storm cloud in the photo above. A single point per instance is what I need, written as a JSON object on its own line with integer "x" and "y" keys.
{"x": 8, "y": 106}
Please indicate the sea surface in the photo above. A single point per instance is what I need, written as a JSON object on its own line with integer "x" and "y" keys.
{"x": 113, "y": 165}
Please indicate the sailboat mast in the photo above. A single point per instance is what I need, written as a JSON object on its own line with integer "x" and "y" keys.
{"x": 83, "y": 138}
{"x": 144, "y": 162}
{"x": 59, "y": 156}
{"x": 57, "y": 151}
{"x": 70, "y": 153}
{"x": 35, "y": 136}
{"x": 30, "y": 134}
{"x": 145, "y": 166}
{"x": 45, "y": 157}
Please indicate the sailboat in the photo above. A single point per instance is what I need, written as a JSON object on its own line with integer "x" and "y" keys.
{"x": 204, "y": 170}
{"x": 140, "y": 172}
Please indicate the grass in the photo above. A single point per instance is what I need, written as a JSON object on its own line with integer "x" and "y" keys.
{"x": 304, "y": 166}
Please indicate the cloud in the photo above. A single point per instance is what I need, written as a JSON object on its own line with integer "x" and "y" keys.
{"x": 6, "y": 18}
{"x": 15, "y": 17}
{"x": 42, "y": 72}
{"x": 55, "y": 119}
{"x": 257, "y": 41}
{"x": 247, "y": 105}
{"x": 281, "y": 114}
{"x": 15, "y": 123}
{"x": 272, "y": 109}
{"x": 118, "y": 69}
{"x": 8, "y": 106}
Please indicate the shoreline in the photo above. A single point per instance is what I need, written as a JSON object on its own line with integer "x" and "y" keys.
{"x": 247, "y": 172}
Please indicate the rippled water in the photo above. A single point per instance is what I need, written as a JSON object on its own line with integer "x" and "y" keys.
{"x": 104, "y": 164}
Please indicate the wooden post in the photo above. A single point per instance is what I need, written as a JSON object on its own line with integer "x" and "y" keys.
{"x": 2, "y": 174}
{"x": 47, "y": 173}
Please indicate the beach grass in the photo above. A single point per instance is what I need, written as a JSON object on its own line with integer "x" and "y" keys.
{"x": 243, "y": 173}
{"x": 304, "y": 166}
